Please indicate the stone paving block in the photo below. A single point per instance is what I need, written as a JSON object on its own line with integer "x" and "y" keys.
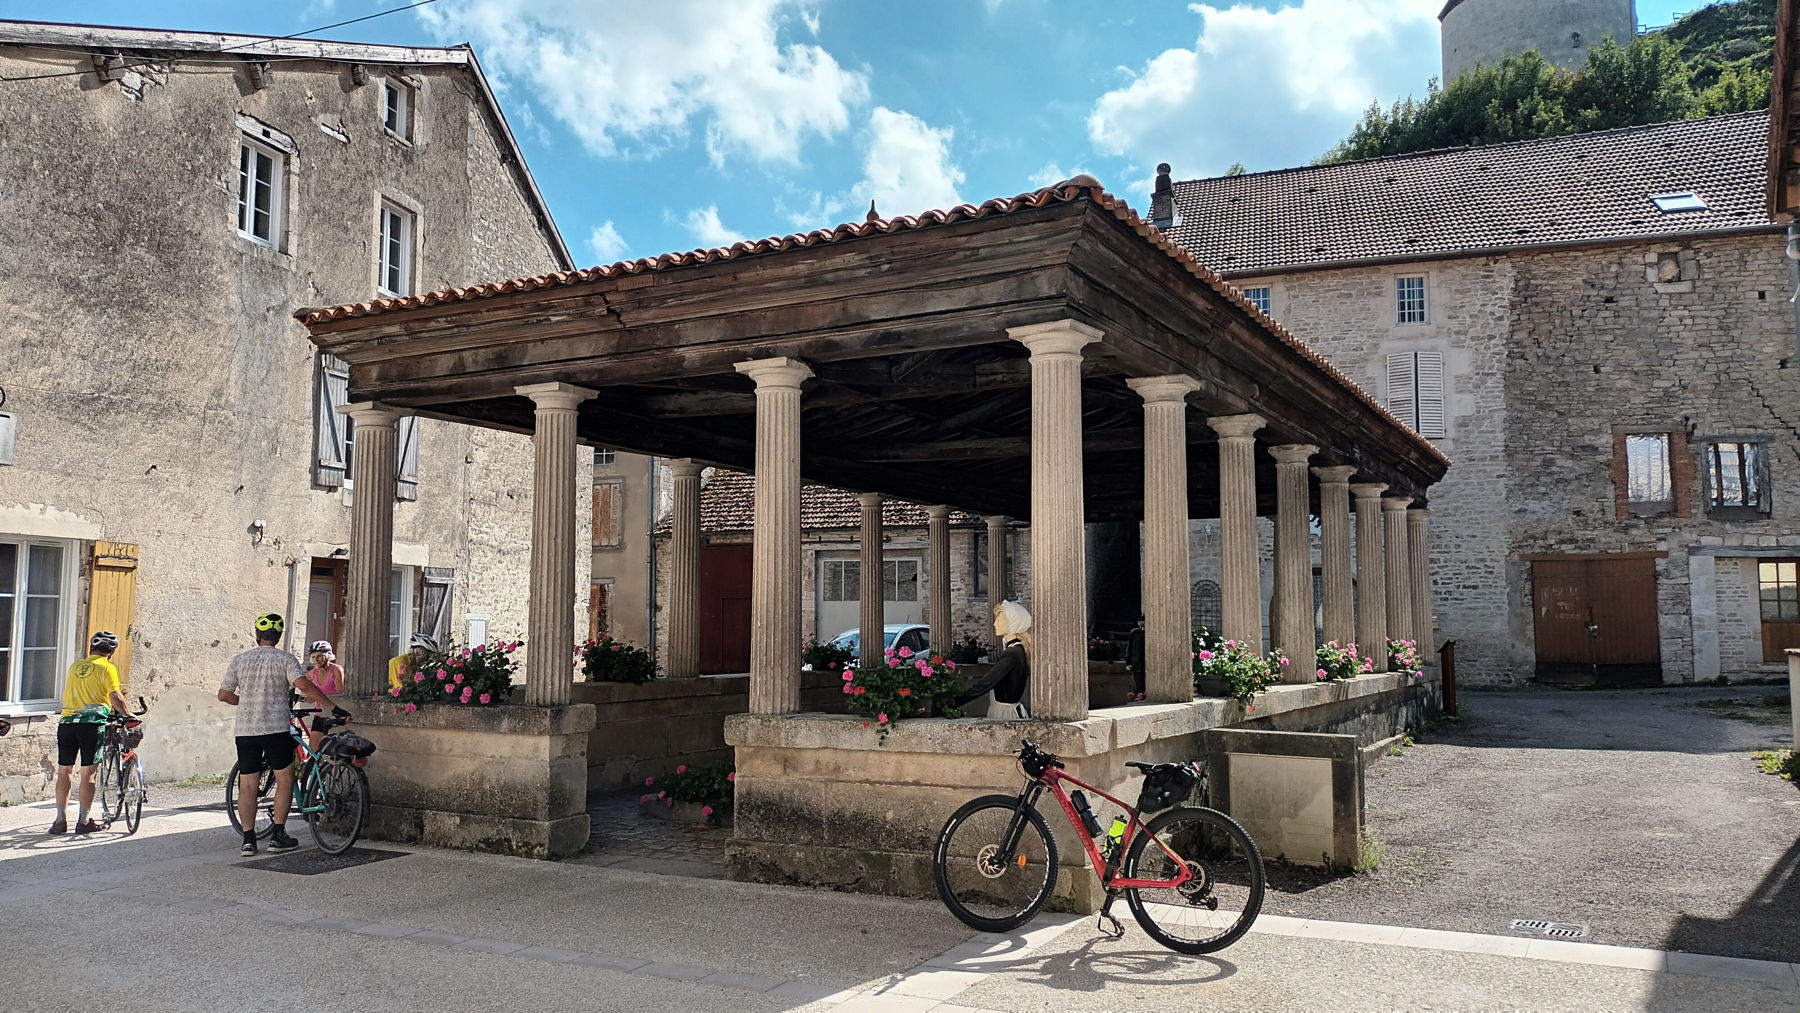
{"x": 386, "y": 930}
{"x": 608, "y": 962}
{"x": 812, "y": 993}
{"x": 481, "y": 944}
{"x": 890, "y": 1002}
{"x": 547, "y": 954}
{"x": 335, "y": 923}
{"x": 1729, "y": 967}
{"x": 743, "y": 982}
{"x": 436, "y": 938}
{"x": 201, "y": 904}
{"x": 933, "y": 983}
{"x": 1592, "y": 953}
{"x": 679, "y": 972}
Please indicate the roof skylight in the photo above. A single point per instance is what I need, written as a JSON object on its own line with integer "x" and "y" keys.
{"x": 1672, "y": 203}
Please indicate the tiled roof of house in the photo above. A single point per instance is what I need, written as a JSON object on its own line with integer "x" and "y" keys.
{"x": 1575, "y": 189}
{"x": 728, "y": 504}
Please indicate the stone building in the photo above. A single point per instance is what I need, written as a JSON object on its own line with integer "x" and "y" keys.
{"x": 1596, "y": 329}
{"x": 830, "y": 547}
{"x": 628, "y": 494}
{"x": 172, "y": 457}
{"x": 1478, "y": 32}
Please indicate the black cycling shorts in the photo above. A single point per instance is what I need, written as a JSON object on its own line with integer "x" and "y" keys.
{"x": 78, "y": 740}
{"x": 257, "y": 753}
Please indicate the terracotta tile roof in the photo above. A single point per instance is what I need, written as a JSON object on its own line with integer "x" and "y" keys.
{"x": 1581, "y": 188}
{"x": 1080, "y": 188}
{"x": 728, "y": 505}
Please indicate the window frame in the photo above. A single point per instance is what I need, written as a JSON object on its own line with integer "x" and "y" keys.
{"x": 277, "y": 211}
{"x": 1758, "y": 468}
{"x": 1763, "y": 583}
{"x": 978, "y": 566}
{"x": 1651, "y": 507}
{"x": 1412, "y": 409}
{"x": 606, "y": 457}
{"x": 1401, "y": 300}
{"x": 402, "y": 609}
{"x": 389, "y": 211}
{"x": 399, "y": 125}
{"x": 69, "y": 625}
{"x": 1264, "y": 302}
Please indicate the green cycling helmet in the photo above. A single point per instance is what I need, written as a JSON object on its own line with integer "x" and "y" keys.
{"x": 270, "y": 622}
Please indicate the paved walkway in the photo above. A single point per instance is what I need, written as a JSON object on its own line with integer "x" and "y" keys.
{"x": 628, "y": 835}
{"x": 190, "y": 926}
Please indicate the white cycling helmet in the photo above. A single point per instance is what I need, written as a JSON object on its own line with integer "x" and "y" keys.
{"x": 423, "y": 640}
{"x": 320, "y": 647}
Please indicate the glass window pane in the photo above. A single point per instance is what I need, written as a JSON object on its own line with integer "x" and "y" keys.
{"x": 1765, "y": 572}
{"x": 396, "y": 589}
{"x": 1647, "y": 468}
{"x": 6, "y": 675}
{"x": 9, "y": 568}
{"x": 39, "y": 677}
{"x": 42, "y": 622}
{"x": 46, "y": 569}
{"x": 6, "y": 621}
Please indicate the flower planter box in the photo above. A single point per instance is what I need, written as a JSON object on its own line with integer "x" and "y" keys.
{"x": 1211, "y": 686}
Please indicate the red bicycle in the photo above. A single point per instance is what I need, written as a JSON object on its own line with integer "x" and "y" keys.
{"x": 1191, "y": 875}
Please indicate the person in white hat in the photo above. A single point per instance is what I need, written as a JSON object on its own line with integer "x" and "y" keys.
{"x": 1010, "y": 676}
{"x": 328, "y": 676}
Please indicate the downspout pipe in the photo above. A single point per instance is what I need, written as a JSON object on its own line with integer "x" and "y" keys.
{"x": 1793, "y": 257}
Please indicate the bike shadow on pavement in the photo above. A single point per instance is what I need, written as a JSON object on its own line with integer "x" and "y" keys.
{"x": 1100, "y": 961}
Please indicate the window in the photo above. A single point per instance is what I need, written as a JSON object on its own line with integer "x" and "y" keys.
{"x": 1259, "y": 297}
{"x": 37, "y": 594}
{"x": 1409, "y": 300}
{"x": 333, "y": 431}
{"x": 841, "y": 577}
{"x": 599, "y": 609}
{"x": 1208, "y": 604}
{"x": 900, "y": 580}
{"x": 1675, "y": 203}
{"x": 400, "y": 611}
{"x": 1779, "y": 590}
{"x": 260, "y": 181}
{"x": 841, "y": 580}
{"x": 395, "y": 266}
{"x": 978, "y": 583}
{"x": 397, "y": 108}
{"x": 1415, "y": 387}
{"x": 605, "y": 457}
{"x": 1647, "y": 481}
{"x": 1736, "y": 474}
{"x": 609, "y": 520}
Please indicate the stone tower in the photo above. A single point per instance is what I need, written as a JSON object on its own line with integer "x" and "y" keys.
{"x": 1487, "y": 31}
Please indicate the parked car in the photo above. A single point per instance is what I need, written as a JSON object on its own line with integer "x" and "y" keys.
{"x": 893, "y": 637}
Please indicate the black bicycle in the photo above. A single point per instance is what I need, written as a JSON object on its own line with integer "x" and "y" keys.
{"x": 123, "y": 790}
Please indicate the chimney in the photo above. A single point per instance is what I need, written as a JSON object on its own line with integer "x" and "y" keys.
{"x": 1162, "y": 201}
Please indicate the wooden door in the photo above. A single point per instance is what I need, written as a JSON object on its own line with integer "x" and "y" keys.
{"x": 1778, "y": 601}
{"x": 1596, "y": 621}
{"x": 112, "y": 599}
{"x": 724, "y": 609}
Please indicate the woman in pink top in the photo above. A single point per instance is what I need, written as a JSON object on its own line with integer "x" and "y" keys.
{"x": 328, "y": 675}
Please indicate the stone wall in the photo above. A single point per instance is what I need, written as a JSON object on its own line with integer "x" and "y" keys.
{"x": 1740, "y": 618}
{"x": 164, "y": 394}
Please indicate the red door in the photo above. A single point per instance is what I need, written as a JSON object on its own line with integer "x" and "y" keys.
{"x": 724, "y": 609}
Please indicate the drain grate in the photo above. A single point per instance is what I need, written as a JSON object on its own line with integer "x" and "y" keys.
{"x": 1554, "y": 930}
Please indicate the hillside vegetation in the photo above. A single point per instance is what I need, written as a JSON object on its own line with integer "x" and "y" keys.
{"x": 1713, "y": 61}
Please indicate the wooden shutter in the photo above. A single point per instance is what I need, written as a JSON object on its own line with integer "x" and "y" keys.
{"x": 1428, "y": 377}
{"x": 437, "y": 589}
{"x": 112, "y": 600}
{"x": 330, "y": 427}
{"x": 1402, "y": 385}
{"x": 609, "y": 513}
{"x": 406, "y": 440}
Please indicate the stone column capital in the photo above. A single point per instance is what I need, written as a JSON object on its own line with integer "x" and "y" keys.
{"x": 869, "y": 500}
{"x": 556, "y": 396}
{"x": 372, "y": 414}
{"x": 1293, "y": 453}
{"x": 777, "y": 373}
{"x": 1338, "y": 475}
{"x": 1236, "y": 427}
{"x": 995, "y": 520}
{"x": 1055, "y": 339}
{"x": 1418, "y": 515}
{"x": 939, "y": 512}
{"x": 685, "y": 467}
{"x": 1368, "y": 490}
{"x": 1395, "y": 503}
{"x": 1156, "y": 390}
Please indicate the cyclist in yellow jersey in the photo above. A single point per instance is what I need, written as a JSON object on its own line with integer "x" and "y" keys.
{"x": 89, "y": 698}
{"x": 401, "y": 668}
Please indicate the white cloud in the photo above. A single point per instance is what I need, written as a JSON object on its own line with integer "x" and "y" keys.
{"x": 1262, "y": 87}
{"x": 623, "y": 75}
{"x": 608, "y": 246}
{"x": 907, "y": 168}
{"x": 705, "y": 225}
{"x": 1050, "y": 175}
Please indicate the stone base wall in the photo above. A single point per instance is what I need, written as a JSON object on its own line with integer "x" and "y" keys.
{"x": 822, "y": 802}
{"x": 510, "y": 779}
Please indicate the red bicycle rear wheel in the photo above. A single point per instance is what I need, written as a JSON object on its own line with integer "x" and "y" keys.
{"x": 1214, "y": 908}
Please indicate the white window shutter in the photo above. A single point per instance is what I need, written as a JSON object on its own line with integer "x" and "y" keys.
{"x": 1402, "y": 382}
{"x": 1429, "y": 378}
{"x": 330, "y": 427}
{"x": 406, "y": 436}
{"x": 435, "y": 596}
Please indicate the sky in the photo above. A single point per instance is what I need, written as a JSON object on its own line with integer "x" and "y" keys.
{"x": 680, "y": 124}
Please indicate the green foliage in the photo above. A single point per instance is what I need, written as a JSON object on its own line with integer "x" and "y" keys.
{"x": 1373, "y": 853}
{"x": 711, "y": 786}
{"x": 968, "y": 648}
{"x": 1783, "y": 763}
{"x": 1335, "y": 662}
{"x": 904, "y": 685}
{"x": 609, "y": 660}
{"x": 1245, "y": 673}
{"x": 1237, "y": 169}
{"x": 476, "y": 676}
{"x": 1711, "y": 62}
{"x": 823, "y": 655}
{"x": 1403, "y": 658}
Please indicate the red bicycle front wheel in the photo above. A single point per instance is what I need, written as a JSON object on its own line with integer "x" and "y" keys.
{"x": 988, "y": 882}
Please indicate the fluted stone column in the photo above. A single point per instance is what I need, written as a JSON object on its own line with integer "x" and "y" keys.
{"x": 1399, "y": 569}
{"x": 869, "y": 594}
{"x": 550, "y": 616}
{"x": 996, "y": 564}
{"x": 1371, "y": 575}
{"x": 1168, "y": 596}
{"x": 371, "y": 548}
{"x": 1294, "y": 635}
{"x": 939, "y": 528}
{"x": 1334, "y": 553}
{"x": 775, "y": 561}
{"x": 1418, "y": 546}
{"x": 1059, "y": 675}
{"x": 681, "y": 658}
{"x": 1241, "y": 615}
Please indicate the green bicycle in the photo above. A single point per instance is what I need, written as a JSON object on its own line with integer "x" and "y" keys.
{"x": 121, "y": 776}
{"x": 330, "y": 789}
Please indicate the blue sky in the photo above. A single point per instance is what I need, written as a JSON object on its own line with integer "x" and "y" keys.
{"x": 668, "y": 126}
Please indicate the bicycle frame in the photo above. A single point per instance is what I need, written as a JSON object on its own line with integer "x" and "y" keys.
{"x": 1053, "y": 781}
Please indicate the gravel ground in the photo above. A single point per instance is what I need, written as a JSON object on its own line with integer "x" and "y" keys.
{"x": 1637, "y": 813}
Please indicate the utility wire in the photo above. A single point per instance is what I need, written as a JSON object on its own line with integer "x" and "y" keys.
{"x": 257, "y": 41}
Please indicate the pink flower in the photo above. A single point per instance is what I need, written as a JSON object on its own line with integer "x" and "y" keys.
{"x": 486, "y": 698}
{"x": 615, "y": 647}
{"x": 394, "y": 692}
{"x": 662, "y": 794}
{"x": 467, "y": 692}
{"x": 906, "y": 652}
{"x": 459, "y": 677}
{"x": 849, "y": 689}
{"x": 893, "y": 662}
{"x": 888, "y": 653}
{"x": 1230, "y": 643}
{"x": 411, "y": 707}
{"x": 418, "y": 676}
{"x": 922, "y": 665}
{"x": 643, "y": 799}
{"x": 649, "y": 782}
{"x": 1205, "y": 655}
{"x": 449, "y": 688}
{"x": 1368, "y": 664}
{"x": 681, "y": 769}
{"x": 706, "y": 810}
{"x": 441, "y": 673}
{"x": 669, "y": 802}
{"x": 849, "y": 676}
{"x": 511, "y": 648}
{"x": 1284, "y": 662}
{"x": 1321, "y": 673}
{"x": 467, "y": 653}
{"x": 883, "y": 719}
{"x": 951, "y": 665}
{"x": 731, "y": 777}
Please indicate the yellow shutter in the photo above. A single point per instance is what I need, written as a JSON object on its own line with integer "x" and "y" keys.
{"x": 113, "y": 600}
